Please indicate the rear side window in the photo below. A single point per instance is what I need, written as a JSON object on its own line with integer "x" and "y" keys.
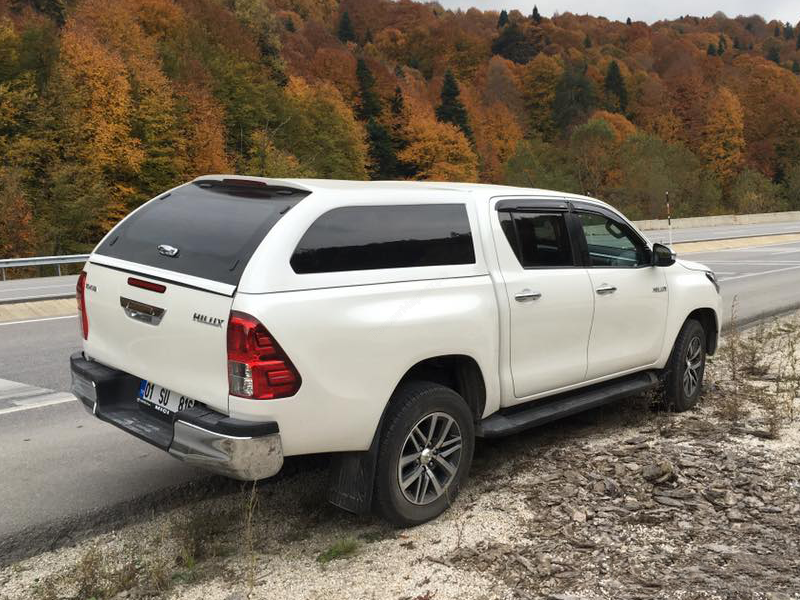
{"x": 538, "y": 239}
{"x": 215, "y": 226}
{"x": 358, "y": 238}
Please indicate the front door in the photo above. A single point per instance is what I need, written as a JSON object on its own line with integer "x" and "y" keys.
{"x": 549, "y": 296}
{"x": 631, "y": 296}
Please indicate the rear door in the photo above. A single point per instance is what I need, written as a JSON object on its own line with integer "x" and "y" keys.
{"x": 159, "y": 287}
{"x": 631, "y": 296}
{"x": 549, "y": 295}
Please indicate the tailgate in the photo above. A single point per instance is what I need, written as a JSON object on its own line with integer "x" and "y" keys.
{"x": 176, "y": 338}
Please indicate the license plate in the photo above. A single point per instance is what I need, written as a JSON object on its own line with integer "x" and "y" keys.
{"x": 161, "y": 399}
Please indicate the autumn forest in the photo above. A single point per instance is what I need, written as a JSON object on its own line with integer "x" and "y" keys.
{"x": 105, "y": 103}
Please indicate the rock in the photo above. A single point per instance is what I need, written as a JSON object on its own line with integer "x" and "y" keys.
{"x": 578, "y": 515}
{"x": 667, "y": 501}
{"x": 658, "y": 471}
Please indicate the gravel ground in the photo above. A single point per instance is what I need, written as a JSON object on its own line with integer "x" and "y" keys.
{"x": 617, "y": 503}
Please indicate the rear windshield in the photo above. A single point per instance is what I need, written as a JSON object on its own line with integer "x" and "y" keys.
{"x": 215, "y": 226}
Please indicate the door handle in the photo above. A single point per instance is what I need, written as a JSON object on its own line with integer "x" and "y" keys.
{"x": 527, "y": 295}
{"x": 605, "y": 289}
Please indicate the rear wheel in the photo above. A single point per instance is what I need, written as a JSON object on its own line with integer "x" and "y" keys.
{"x": 425, "y": 453}
{"x": 686, "y": 368}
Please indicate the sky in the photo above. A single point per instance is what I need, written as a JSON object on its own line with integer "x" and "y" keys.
{"x": 642, "y": 10}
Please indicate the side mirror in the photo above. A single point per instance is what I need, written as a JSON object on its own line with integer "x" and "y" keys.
{"x": 663, "y": 256}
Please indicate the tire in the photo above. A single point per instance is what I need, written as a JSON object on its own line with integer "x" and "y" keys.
{"x": 686, "y": 366}
{"x": 415, "y": 407}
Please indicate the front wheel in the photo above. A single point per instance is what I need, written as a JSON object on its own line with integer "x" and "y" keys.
{"x": 425, "y": 453}
{"x": 686, "y": 368}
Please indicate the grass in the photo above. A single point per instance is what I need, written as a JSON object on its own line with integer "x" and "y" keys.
{"x": 339, "y": 550}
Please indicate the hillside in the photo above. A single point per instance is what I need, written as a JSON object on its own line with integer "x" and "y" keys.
{"x": 105, "y": 103}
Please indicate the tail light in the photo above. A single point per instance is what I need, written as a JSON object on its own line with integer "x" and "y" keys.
{"x": 80, "y": 294}
{"x": 257, "y": 366}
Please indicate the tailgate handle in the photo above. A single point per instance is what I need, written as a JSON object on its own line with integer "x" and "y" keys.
{"x": 140, "y": 311}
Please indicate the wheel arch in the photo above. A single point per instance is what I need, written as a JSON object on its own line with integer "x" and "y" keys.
{"x": 707, "y": 317}
{"x": 459, "y": 372}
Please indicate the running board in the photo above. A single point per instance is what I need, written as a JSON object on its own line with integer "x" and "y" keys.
{"x": 518, "y": 418}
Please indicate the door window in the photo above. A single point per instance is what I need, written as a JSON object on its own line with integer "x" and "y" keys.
{"x": 538, "y": 239}
{"x": 611, "y": 243}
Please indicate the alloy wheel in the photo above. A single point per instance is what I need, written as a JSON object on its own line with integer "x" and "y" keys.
{"x": 694, "y": 362}
{"x": 429, "y": 458}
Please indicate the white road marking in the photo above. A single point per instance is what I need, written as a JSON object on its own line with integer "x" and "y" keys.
{"x": 38, "y": 320}
{"x": 13, "y": 409}
{"x": 760, "y": 273}
{"x": 754, "y": 262}
{"x": 17, "y": 397}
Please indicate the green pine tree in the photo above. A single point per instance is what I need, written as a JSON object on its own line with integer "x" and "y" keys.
{"x": 737, "y": 45}
{"x": 382, "y": 153}
{"x": 290, "y": 25}
{"x": 370, "y": 104}
{"x": 615, "y": 85}
{"x": 774, "y": 55}
{"x": 503, "y": 20}
{"x": 788, "y": 31}
{"x": 628, "y": 21}
{"x": 452, "y": 110}
{"x": 346, "y": 32}
{"x": 397, "y": 103}
{"x": 795, "y": 67}
{"x": 587, "y": 42}
{"x": 712, "y": 50}
{"x": 535, "y": 15}
{"x": 722, "y": 45}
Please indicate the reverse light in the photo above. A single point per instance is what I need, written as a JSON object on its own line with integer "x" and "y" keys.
{"x": 257, "y": 366}
{"x": 80, "y": 295}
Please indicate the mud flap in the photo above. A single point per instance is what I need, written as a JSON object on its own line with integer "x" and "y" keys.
{"x": 352, "y": 479}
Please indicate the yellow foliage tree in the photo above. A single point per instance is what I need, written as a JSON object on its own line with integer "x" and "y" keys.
{"x": 722, "y": 137}
{"x": 622, "y": 128}
{"x": 539, "y": 81}
{"x": 438, "y": 151}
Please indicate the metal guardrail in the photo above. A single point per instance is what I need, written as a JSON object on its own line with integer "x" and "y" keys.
{"x": 41, "y": 261}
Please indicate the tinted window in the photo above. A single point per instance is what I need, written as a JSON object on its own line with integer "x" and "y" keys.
{"x": 612, "y": 244}
{"x": 356, "y": 238}
{"x": 215, "y": 225}
{"x": 538, "y": 239}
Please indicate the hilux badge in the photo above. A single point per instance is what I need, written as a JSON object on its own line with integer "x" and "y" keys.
{"x": 206, "y": 320}
{"x": 165, "y": 250}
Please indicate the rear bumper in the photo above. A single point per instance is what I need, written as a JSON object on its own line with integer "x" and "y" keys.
{"x": 198, "y": 436}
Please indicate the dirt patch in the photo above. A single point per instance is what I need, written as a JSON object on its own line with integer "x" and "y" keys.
{"x": 622, "y": 502}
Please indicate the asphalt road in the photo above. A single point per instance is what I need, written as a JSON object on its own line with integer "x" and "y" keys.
{"x": 39, "y": 288}
{"x": 61, "y": 469}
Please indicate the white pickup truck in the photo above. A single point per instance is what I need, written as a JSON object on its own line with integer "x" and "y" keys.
{"x": 233, "y": 321}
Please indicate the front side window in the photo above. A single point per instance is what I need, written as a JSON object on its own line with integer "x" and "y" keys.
{"x": 538, "y": 239}
{"x": 612, "y": 244}
{"x": 357, "y": 238}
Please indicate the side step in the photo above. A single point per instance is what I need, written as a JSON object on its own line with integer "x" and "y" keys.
{"x": 518, "y": 418}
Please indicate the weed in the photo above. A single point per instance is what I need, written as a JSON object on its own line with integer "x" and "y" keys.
{"x": 339, "y": 550}
{"x": 249, "y": 537}
{"x": 95, "y": 575}
{"x": 200, "y": 533}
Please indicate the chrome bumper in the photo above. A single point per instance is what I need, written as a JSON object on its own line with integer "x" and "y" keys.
{"x": 198, "y": 436}
{"x": 245, "y": 458}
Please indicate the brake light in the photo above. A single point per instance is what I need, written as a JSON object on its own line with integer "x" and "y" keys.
{"x": 80, "y": 295}
{"x": 257, "y": 366}
{"x": 146, "y": 285}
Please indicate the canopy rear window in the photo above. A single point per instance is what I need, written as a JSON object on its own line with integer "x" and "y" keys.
{"x": 215, "y": 226}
